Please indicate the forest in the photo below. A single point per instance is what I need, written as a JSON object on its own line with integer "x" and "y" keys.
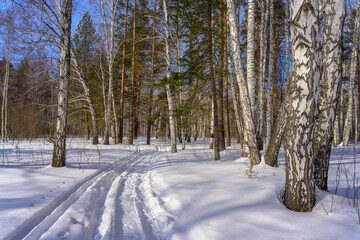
{"x": 267, "y": 74}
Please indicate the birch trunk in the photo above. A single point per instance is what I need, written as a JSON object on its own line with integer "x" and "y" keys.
{"x": 216, "y": 132}
{"x": 121, "y": 112}
{"x": 95, "y": 136}
{"x": 299, "y": 192}
{"x": 168, "y": 89}
{"x": 212, "y": 134}
{"x": 341, "y": 109}
{"x": 333, "y": 12}
{"x": 238, "y": 121}
{"x": 110, "y": 50}
{"x": 270, "y": 83}
{"x": 353, "y": 75}
{"x": 251, "y": 47}
{"x": 249, "y": 126}
{"x": 337, "y": 128}
{"x": 58, "y": 158}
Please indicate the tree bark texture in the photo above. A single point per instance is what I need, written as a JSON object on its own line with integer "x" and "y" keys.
{"x": 169, "y": 94}
{"x": 299, "y": 192}
{"x": 333, "y": 12}
{"x": 58, "y": 158}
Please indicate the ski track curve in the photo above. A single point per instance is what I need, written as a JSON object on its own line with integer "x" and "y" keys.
{"x": 115, "y": 202}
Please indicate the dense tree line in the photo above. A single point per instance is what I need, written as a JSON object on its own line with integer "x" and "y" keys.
{"x": 184, "y": 70}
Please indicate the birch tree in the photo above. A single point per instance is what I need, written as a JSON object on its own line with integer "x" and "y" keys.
{"x": 107, "y": 14}
{"x": 88, "y": 96}
{"x": 333, "y": 13}
{"x": 299, "y": 192}
{"x": 168, "y": 88}
{"x": 58, "y": 158}
{"x": 249, "y": 126}
{"x": 251, "y": 47}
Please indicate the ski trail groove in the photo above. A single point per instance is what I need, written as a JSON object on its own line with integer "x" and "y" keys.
{"x": 41, "y": 221}
{"x": 116, "y": 202}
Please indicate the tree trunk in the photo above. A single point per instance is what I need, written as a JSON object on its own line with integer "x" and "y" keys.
{"x": 353, "y": 75}
{"x": 149, "y": 121}
{"x": 116, "y": 126}
{"x": 251, "y": 47}
{"x": 220, "y": 91}
{"x": 337, "y": 127}
{"x": 226, "y": 99}
{"x": 5, "y": 96}
{"x": 269, "y": 98}
{"x": 287, "y": 45}
{"x": 262, "y": 68}
{"x": 121, "y": 113}
{"x": 238, "y": 121}
{"x": 249, "y": 126}
{"x": 213, "y": 84}
{"x": 133, "y": 97}
{"x": 58, "y": 158}
{"x": 168, "y": 88}
{"x": 299, "y": 192}
{"x": 334, "y": 15}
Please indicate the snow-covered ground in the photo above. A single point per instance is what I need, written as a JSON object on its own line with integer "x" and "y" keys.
{"x": 145, "y": 192}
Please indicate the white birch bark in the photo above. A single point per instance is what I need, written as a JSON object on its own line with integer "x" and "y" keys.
{"x": 251, "y": 47}
{"x": 299, "y": 192}
{"x": 58, "y": 158}
{"x": 353, "y": 76}
{"x": 333, "y": 12}
{"x": 168, "y": 89}
{"x": 249, "y": 126}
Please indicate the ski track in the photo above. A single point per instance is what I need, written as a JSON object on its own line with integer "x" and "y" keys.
{"x": 115, "y": 202}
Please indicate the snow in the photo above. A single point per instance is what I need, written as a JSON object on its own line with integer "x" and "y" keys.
{"x": 145, "y": 192}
